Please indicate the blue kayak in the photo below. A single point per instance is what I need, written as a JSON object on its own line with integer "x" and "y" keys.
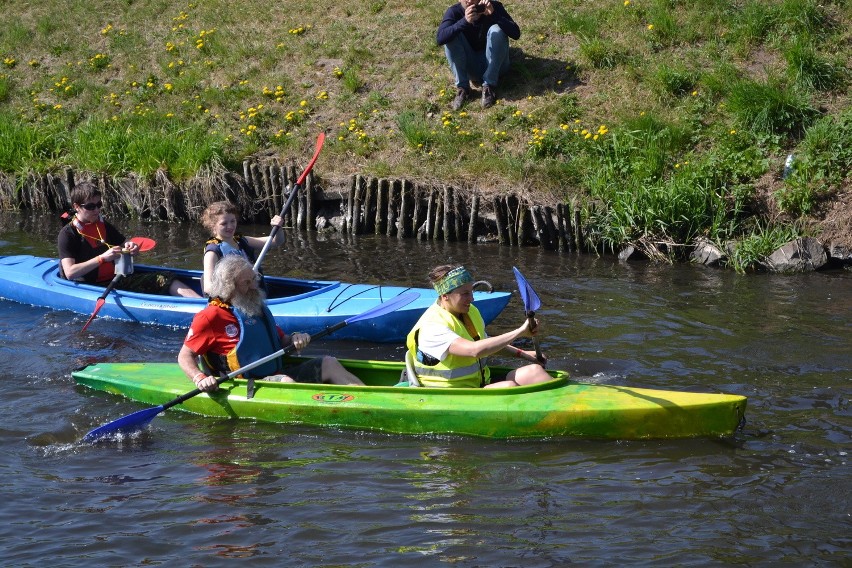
{"x": 298, "y": 305}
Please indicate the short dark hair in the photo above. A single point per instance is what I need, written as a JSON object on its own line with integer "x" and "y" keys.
{"x": 83, "y": 192}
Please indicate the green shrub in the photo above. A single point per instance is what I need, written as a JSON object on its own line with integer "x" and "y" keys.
{"x": 770, "y": 108}
{"x": 809, "y": 69}
{"x": 601, "y": 53}
{"x": 753, "y": 250}
{"x": 30, "y": 147}
{"x": 674, "y": 80}
{"x": 144, "y": 144}
{"x": 820, "y": 165}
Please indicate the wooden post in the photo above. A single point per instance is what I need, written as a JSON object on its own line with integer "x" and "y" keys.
{"x": 502, "y": 221}
{"x": 417, "y": 216}
{"x": 310, "y": 203}
{"x": 357, "y": 204}
{"x": 513, "y": 214}
{"x": 578, "y": 228}
{"x": 550, "y": 227}
{"x": 247, "y": 174}
{"x": 459, "y": 216}
{"x": 257, "y": 183}
{"x": 300, "y": 205}
{"x": 350, "y": 203}
{"x": 394, "y": 204}
{"x": 430, "y": 214}
{"x": 405, "y": 204}
{"x": 560, "y": 224}
{"x": 371, "y": 188}
{"x": 274, "y": 203}
{"x": 537, "y": 225}
{"x": 448, "y": 210}
{"x": 474, "y": 216}
{"x": 381, "y": 206}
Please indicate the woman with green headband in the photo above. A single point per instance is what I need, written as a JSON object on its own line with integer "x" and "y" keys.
{"x": 448, "y": 345}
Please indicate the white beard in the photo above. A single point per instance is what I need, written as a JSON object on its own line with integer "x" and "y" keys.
{"x": 250, "y": 303}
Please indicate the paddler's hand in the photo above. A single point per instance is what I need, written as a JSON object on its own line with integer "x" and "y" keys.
{"x": 205, "y": 383}
{"x": 131, "y": 247}
{"x": 277, "y": 221}
{"x": 111, "y": 255}
{"x": 530, "y": 331}
{"x": 300, "y": 340}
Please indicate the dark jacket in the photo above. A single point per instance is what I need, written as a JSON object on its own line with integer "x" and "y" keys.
{"x": 476, "y": 34}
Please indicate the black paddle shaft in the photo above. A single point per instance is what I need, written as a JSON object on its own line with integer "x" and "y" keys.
{"x": 280, "y": 353}
{"x": 539, "y": 357}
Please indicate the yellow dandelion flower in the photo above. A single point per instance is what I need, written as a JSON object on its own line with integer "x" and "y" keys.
{"x": 650, "y": 26}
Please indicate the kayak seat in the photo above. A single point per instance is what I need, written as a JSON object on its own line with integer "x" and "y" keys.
{"x": 410, "y": 375}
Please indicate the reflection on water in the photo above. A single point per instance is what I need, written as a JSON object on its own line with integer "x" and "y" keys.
{"x": 191, "y": 490}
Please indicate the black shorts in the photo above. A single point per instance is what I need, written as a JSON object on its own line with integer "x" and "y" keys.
{"x": 307, "y": 372}
{"x": 147, "y": 282}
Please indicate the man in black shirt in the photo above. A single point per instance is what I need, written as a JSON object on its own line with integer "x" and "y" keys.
{"x": 475, "y": 35}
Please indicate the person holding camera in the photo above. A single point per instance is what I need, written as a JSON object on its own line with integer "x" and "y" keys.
{"x": 475, "y": 35}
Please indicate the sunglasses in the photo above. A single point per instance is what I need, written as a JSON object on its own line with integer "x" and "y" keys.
{"x": 92, "y": 206}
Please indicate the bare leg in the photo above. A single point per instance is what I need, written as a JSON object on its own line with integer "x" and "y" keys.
{"x": 526, "y": 375}
{"x": 334, "y": 373}
{"x": 529, "y": 375}
{"x": 178, "y": 288}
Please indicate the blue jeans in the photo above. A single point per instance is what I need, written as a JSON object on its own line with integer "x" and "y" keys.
{"x": 488, "y": 65}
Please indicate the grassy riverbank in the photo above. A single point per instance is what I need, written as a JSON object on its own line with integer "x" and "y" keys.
{"x": 667, "y": 120}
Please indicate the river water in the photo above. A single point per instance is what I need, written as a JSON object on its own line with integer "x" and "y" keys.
{"x": 195, "y": 491}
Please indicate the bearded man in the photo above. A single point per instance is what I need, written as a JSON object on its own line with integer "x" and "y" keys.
{"x": 236, "y": 328}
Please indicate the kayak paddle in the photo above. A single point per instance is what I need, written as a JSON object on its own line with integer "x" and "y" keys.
{"x": 145, "y": 244}
{"x": 531, "y": 304}
{"x": 142, "y": 417}
{"x": 102, "y": 299}
{"x": 293, "y": 192}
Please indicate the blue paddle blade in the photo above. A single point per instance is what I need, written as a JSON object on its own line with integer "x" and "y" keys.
{"x": 528, "y": 295}
{"x": 124, "y": 425}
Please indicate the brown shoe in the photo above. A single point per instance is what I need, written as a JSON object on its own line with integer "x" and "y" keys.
{"x": 489, "y": 97}
{"x": 462, "y": 94}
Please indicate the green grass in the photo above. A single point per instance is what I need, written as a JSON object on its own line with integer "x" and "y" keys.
{"x": 659, "y": 115}
{"x": 759, "y": 244}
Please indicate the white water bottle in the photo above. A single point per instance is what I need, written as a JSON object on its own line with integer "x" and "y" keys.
{"x": 788, "y": 166}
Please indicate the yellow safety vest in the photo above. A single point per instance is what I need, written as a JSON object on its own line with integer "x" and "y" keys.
{"x": 454, "y": 370}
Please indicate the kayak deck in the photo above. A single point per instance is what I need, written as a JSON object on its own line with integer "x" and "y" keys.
{"x": 296, "y": 304}
{"x": 555, "y": 409}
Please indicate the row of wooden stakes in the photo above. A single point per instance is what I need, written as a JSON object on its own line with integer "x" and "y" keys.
{"x": 365, "y": 205}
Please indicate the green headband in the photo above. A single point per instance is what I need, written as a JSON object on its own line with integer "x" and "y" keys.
{"x": 452, "y": 280}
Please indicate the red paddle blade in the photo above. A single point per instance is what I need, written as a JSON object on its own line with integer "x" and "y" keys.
{"x": 310, "y": 166}
{"x": 145, "y": 244}
{"x": 98, "y": 305}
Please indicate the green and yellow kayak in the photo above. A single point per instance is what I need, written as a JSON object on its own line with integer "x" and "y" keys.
{"x": 556, "y": 409}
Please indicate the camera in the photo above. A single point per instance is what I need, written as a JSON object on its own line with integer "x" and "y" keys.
{"x": 479, "y": 8}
